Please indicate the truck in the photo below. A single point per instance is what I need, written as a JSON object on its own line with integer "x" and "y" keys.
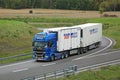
{"x": 59, "y": 43}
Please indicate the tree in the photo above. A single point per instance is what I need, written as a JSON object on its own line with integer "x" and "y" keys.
{"x": 105, "y": 6}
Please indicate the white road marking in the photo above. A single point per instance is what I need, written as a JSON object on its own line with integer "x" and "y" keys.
{"x": 95, "y": 52}
{"x": 16, "y": 64}
{"x": 102, "y": 54}
{"x": 20, "y": 70}
{"x": 48, "y": 64}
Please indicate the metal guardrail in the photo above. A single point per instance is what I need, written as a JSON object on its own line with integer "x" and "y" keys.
{"x": 56, "y": 74}
{"x": 17, "y": 57}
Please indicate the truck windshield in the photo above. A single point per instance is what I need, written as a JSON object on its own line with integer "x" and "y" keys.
{"x": 42, "y": 45}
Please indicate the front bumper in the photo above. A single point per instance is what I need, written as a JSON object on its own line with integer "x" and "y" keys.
{"x": 38, "y": 57}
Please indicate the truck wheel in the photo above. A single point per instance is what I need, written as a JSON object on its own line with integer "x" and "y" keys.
{"x": 85, "y": 49}
{"x": 81, "y": 50}
{"x": 63, "y": 55}
{"x": 98, "y": 45}
{"x": 95, "y": 45}
{"x": 53, "y": 58}
{"x": 66, "y": 55}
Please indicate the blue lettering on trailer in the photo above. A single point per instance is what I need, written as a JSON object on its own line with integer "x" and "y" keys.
{"x": 74, "y": 35}
{"x": 92, "y": 31}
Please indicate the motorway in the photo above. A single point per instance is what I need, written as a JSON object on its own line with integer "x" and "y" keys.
{"x": 30, "y": 68}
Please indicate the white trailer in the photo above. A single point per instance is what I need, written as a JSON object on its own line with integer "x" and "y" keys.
{"x": 90, "y": 35}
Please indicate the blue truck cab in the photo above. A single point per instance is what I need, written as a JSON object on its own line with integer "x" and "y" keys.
{"x": 45, "y": 46}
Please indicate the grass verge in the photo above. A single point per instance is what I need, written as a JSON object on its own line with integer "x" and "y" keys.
{"x": 15, "y": 37}
{"x": 104, "y": 73}
{"x": 15, "y": 59}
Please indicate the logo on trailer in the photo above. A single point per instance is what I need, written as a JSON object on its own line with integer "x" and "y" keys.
{"x": 92, "y": 31}
{"x": 68, "y": 35}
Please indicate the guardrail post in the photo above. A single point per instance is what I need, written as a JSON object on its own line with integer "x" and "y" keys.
{"x": 64, "y": 72}
{"x": 55, "y": 75}
{"x": 72, "y": 68}
{"x": 75, "y": 68}
{"x": 44, "y": 76}
{"x": 33, "y": 77}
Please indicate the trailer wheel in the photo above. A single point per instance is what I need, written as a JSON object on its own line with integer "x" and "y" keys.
{"x": 85, "y": 49}
{"x": 53, "y": 58}
{"x": 98, "y": 45}
{"x": 66, "y": 55}
{"x": 81, "y": 50}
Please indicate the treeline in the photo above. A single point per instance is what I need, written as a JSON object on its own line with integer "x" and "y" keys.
{"x": 111, "y": 5}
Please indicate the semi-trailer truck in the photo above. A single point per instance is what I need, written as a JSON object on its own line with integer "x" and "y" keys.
{"x": 59, "y": 43}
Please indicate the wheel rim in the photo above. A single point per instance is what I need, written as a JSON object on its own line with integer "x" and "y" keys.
{"x": 81, "y": 51}
{"x": 62, "y": 56}
{"x": 78, "y": 51}
{"x": 66, "y": 55}
{"x": 53, "y": 57}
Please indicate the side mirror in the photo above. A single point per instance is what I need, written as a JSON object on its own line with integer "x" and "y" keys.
{"x": 32, "y": 43}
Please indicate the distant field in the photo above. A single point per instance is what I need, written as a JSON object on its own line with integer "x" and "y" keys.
{"x": 51, "y": 13}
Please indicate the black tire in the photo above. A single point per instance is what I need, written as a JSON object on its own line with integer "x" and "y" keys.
{"x": 66, "y": 55}
{"x": 63, "y": 56}
{"x": 79, "y": 51}
{"x": 37, "y": 60}
{"x": 85, "y": 49}
{"x": 53, "y": 58}
{"x": 97, "y": 44}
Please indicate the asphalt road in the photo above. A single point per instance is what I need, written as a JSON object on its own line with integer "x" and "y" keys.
{"x": 25, "y": 69}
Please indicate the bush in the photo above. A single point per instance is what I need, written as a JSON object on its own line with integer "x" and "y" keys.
{"x": 107, "y": 15}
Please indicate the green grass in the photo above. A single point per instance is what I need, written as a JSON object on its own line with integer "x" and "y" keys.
{"x": 15, "y": 37}
{"x": 51, "y": 22}
{"x": 16, "y": 59}
{"x": 104, "y": 73}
